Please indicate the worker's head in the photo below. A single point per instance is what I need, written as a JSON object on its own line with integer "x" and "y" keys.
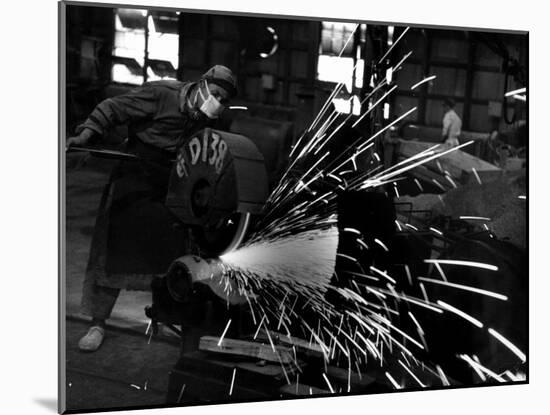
{"x": 448, "y": 104}
{"x": 216, "y": 88}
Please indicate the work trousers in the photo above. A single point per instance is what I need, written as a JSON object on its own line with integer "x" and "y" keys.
{"x": 104, "y": 299}
{"x": 135, "y": 237}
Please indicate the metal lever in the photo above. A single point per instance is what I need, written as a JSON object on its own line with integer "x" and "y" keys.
{"x": 107, "y": 154}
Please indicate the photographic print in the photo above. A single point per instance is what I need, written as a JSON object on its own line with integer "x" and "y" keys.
{"x": 264, "y": 207}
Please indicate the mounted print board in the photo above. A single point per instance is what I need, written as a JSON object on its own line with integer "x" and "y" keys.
{"x": 265, "y": 207}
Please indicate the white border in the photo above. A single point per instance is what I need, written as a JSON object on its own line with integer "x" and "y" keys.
{"x": 29, "y": 204}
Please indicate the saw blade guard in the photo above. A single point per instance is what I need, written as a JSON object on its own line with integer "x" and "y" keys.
{"x": 218, "y": 182}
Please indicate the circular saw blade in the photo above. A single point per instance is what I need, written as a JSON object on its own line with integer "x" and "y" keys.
{"x": 225, "y": 237}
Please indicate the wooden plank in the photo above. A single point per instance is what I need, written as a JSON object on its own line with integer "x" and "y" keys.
{"x": 301, "y": 390}
{"x": 302, "y": 346}
{"x": 255, "y": 350}
{"x": 339, "y": 376}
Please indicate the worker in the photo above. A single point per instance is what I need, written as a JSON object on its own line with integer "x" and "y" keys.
{"x": 135, "y": 237}
{"x": 452, "y": 124}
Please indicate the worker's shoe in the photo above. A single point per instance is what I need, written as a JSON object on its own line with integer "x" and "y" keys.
{"x": 92, "y": 340}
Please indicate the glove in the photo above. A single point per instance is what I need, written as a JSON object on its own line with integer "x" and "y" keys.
{"x": 82, "y": 139}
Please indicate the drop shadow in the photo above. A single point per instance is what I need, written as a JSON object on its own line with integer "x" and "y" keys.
{"x": 48, "y": 403}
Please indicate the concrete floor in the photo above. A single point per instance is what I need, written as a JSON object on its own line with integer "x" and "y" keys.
{"x": 127, "y": 371}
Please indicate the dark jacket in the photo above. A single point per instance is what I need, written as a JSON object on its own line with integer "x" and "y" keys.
{"x": 152, "y": 112}
{"x": 135, "y": 236}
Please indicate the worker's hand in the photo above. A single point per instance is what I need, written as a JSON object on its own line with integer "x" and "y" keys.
{"x": 82, "y": 139}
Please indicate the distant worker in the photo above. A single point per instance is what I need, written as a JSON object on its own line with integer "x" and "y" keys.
{"x": 134, "y": 237}
{"x": 452, "y": 124}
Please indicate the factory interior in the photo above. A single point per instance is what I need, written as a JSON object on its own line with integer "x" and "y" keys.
{"x": 348, "y": 246}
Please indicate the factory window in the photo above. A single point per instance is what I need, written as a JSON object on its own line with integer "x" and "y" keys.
{"x": 339, "y": 62}
{"x": 162, "y": 46}
{"x": 129, "y": 47}
{"x": 144, "y": 38}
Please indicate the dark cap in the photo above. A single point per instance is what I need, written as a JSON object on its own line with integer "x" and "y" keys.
{"x": 223, "y": 77}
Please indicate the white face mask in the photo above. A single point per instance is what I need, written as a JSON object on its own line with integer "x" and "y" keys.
{"x": 211, "y": 107}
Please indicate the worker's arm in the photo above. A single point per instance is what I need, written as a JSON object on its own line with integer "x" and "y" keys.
{"x": 140, "y": 103}
{"x": 446, "y": 127}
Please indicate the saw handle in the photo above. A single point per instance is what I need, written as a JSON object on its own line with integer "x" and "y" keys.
{"x": 102, "y": 153}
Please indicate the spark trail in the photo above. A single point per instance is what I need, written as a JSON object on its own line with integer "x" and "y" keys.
{"x": 286, "y": 268}
{"x": 308, "y": 258}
